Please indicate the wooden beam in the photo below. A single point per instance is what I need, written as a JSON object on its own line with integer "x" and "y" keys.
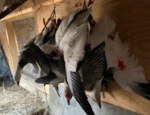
{"x": 12, "y": 45}
{"x": 5, "y": 44}
{"x": 50, "y": 2}
{"x": 29, "y": 12}
{"x": 11, "y": 8}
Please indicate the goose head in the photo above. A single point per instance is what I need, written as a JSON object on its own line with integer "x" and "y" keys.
{"x": 26, "y": 56}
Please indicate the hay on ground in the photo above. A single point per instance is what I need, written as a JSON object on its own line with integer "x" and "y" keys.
{"x": 18, "y": 101}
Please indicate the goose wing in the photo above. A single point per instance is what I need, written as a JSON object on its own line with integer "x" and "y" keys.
{"x": 79, "y": 94}
{"x": 41, "y": 58}
{"x": 63, "y": 27}
{"x": 72, "y": 45}
{"x": 103, "y": 28}
{"x": 96, "y": 59}
{"x": 128, "y": 73}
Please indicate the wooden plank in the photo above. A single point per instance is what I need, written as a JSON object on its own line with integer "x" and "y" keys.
{"x": 12, "y": 44}
{"x": 28, "y": 9}
{"x": 50, "y": 2}
{"x": 29, "y": 12}
{"x": 11, "y": 8}
{"x": 5, "y": 44}
{"x": 117, "y": 96}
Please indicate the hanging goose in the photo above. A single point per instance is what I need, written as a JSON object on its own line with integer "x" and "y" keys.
{"x": 119, "y": 60}
{"x": 71, "y": 41}
{"x": 55, "y": 61}
{"x": 94, "y": 60}
{"x": 27, "y": 56}
{"x": 91, "y": 70}
{"x": 128, "y": 73}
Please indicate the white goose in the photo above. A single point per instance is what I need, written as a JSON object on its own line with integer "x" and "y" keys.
{"x": 127, "y": 72}
{"x": 95, "y": 60}
{"x": 71, "y": 40}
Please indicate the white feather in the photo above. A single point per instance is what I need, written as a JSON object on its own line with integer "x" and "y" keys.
{"x": 47, "y": 48}
{"x": 74, "y": 40}
{"x": 103, "y": 28}
{"x": 76, "y": 50}
{"x": 63, "y": 27}
{"x": 132, "y": 72}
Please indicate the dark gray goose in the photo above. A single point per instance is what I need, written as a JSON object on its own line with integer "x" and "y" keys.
{"x": 27, "y": 56}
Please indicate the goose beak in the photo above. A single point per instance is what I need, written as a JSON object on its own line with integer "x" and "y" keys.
{"x": 17, "y": 75}
{"x": 18, "y": 83}
{"x": 57, "y": 90}
{"x": 68, "y": 101}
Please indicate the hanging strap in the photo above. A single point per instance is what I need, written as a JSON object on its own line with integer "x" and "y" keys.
{"x": 84, "y": 5}
{"x": 53, "y": 14}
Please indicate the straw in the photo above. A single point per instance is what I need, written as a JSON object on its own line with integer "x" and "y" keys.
{"x": 18, "y": 101}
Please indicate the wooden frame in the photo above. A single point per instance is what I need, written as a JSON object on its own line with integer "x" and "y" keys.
{"x": 132, "y": 18}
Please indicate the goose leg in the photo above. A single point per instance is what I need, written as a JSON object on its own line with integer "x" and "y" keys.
{"x": 55, "y": 84}
{"x": 103, "y": 89}
{"x": 57, "y": 90}
{"x": 95, "y": 93}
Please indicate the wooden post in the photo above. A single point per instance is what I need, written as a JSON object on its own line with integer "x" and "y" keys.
{"x": 12, "y": 44}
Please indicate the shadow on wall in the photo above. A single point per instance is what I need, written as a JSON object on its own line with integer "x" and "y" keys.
{"x": 6, "y": 78}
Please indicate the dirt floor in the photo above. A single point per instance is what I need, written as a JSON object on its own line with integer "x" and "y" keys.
{"x": 18, "y": 101}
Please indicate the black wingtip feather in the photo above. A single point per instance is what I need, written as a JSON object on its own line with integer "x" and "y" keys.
{"x": 79, "y": 94}
{"x": 108, "y": 74}
{"x": 142, "y": 89}
{"x": 145, "y": 88}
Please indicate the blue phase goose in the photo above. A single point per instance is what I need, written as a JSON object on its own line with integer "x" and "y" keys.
{"x": 27, "y": 56}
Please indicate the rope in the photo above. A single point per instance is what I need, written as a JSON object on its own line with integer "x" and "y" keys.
{"x": 84, "y": 5}
{"x": 51, "y": 16}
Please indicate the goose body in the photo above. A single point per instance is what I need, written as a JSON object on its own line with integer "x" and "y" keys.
{"x": 128, "y": 73}
{"x": 71, "y": 44}
{"x": 63, "y": 27}
{"x": 27, "y": 55}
